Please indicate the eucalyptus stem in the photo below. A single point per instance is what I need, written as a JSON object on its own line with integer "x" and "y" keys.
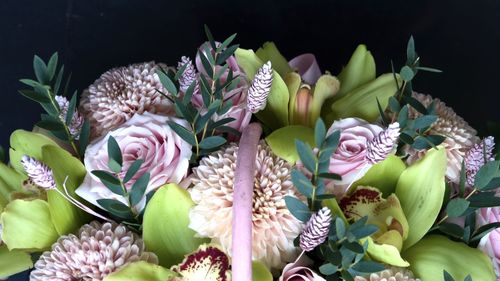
{"x": 466, "y": 197}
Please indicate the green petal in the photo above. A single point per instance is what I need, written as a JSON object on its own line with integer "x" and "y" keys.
{"x": 28, "y": 225}
{"x": 385, "y": 253}
{"x": 26, "y": 143}
{"x": 269, "y": 52}
{"x": 12, "y": 262}
{"x": 141, "y": 271}
{"x": 326, "y": 87}
{"x": 282, "y": 141}
{"x": 384, "y": 175}
{"x": 435, "y": 253}
{"x": 293, "y": 81}
{"x": 165, "y": 225}
{"x": 11, "y": 177}
{"x": 360, "y": 70}
{"x": 65, "y": 216}
{"x": 362, "y": 101}
{"x": 420, "y": 190}
{"x": 275, "y": 114}
{"x": 334, "y": 207}
{"x": 260, "y": 272}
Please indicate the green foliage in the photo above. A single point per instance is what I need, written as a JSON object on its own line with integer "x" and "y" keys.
{"x": 204, "y": 132}
{"x": 115, "y": 181}
{"x": 414, "y": 133}
{"x": 343, "y": 253}
{"x": 44, "y": 89}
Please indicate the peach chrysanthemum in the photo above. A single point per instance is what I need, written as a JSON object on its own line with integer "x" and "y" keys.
{"x": 97, "y": 251}
{"x": 122, "y": 92}
{"x": 460, "y": 136}
{"x": 274, "y": 227}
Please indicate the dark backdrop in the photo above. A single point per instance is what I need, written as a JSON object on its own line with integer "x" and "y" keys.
{"x": 460, "y": 37}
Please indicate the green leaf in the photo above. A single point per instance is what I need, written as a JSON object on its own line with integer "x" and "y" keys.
{"x": 451, "y": 229}
{"x": 368, "y": 267}
{"x": 424, "y": 121}
{"x": 435, "y": 253}
{"x": 116, "y": 208}
{"x": 167, "y": 82}
{"x": 306, "y": 156}
{"x": 298, "y": 208}
{"x": 141, "y": 271}
{"x": 339, "y": 228}
{"x": 281, "y": 144}
{"x": 84, "y": 137}
{"x": 319, "y": 132}
{"x": 210, "y": 37}
{"x": 65, "y": 216}
{"x": 138, "y": 189}
{"x": 206, "y": 63}
{"x": 406, "y": 73}
{"x": 132, "y": 170}
{"x": 484, "y": 200}
{"x": 302, "y": 183}
{"x": 165, "y": 225}
{"x": 384, "y": 175}
{"x": 226, "y": 42}
{"x": 457, "y": 207}
{"x": 212, "y": 142}
{"x": 40, "y": 70}
{"x": 447, "y": 276}
{"x": 12, "y": 262}
{"x": 403, "y": 116}
{"x": 428, "y": 69}
{"x": 330, "y": 176}
{"x": 184, "y": 133}
{"x": 483, "y": 230}
{"x": 52, "y": 65}
{"x": 486, "y": 174}
{"x": 421, "y": 197}
{"x": 260, "y": 272}
{"x": 35, "y": 96}
{"x": 394, "y": 104}
{"x": 58, "y": 81}
{"x": 328, "y": 269}
{"x": 71, "y": 109}
{"x": 114, "y": 155}
{"x": 51, "y": 123}
{"x": 411, "y": 55}
{"x": 110, "y": 181}
{"x": 222, "y": 58}
{"x": 416, "y": 104}
{"x": 27, "y": 225}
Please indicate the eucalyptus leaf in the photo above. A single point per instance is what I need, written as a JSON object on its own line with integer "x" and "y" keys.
{"x": 306, "y": 155}
{"x": 298, "y": 208}
{"x": 138, "y": 189}
{"x": 457, "y": 207}
{"x": 212, "y": 142}
{"x": 132, "y": 170}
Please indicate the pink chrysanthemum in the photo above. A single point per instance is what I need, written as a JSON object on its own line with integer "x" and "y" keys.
{"x": 460, "y": 136}
{"x": 122, "y": 92}
{"x": 97, "y": 251}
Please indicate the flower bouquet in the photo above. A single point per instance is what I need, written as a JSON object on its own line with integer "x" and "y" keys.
{"x": 242, "y": 165}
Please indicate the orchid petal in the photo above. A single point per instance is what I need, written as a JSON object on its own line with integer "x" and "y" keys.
{"x": 307, "y": 66}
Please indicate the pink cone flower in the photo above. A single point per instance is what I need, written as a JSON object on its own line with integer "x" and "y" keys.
{"x": 349, "y": 160}
{"x": 490, "y": 243}
{"x": 238, "y": 95}
{"x": 147, "y": 137}
{"x": 299, "y": 271}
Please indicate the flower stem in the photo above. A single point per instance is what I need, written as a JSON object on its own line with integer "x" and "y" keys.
{"x": 242, "y": 203}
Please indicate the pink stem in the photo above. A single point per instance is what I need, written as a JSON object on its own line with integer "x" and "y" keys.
{"x": 242, "y": 203}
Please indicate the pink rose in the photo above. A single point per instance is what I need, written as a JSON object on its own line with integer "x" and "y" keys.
{"x": 237, "y": 96}
{"x": 147, "y": 137}
{"x": 349, "y": 160}
{"x": 490, "y": 243}
{"x": 299, "y": 271}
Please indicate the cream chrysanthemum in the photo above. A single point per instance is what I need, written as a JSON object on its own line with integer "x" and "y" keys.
{"x": 391, "y": 274}
{"x": 96, "y": 252}
{"x": 120, "y": 93}
{"x": 460, "y": 136}
{"x": 274, "y": 227}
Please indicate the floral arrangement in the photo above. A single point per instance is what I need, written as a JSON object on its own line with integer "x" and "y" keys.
{"x": 242, "y": 165}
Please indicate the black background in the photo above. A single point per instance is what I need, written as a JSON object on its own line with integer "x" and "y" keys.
{"x": 460, "y": 37}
